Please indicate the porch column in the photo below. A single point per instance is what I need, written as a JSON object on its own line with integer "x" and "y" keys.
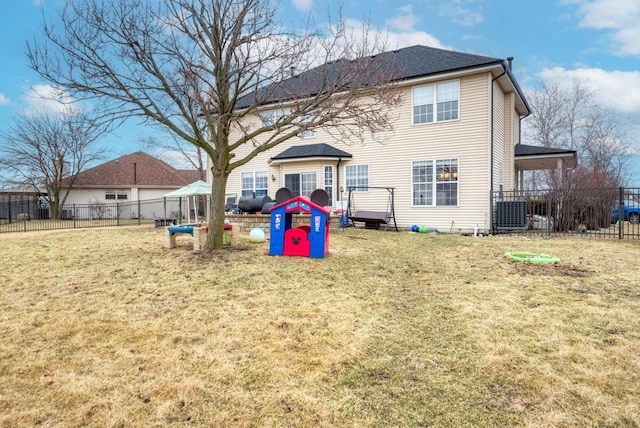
{"x": 563, "y": 172}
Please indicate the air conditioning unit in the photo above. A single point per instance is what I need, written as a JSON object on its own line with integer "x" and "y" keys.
{"x": 511, "y": 215}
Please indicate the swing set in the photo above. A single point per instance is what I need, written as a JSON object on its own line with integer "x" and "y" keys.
{"x": 372, "y": 219}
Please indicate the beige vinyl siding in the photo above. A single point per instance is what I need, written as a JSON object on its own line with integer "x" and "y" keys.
{"x": 499, "y": 129}
{"x": 507, "y": 160}
{"x": 390, "y": 163}
{"x": 515, "y": 118}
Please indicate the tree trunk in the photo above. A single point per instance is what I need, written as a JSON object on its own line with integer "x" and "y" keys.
{"x": 216, "y": 223}
{"x": 54, "y": 204}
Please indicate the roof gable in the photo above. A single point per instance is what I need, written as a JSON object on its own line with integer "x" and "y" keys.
{"x": 137, "y": 168}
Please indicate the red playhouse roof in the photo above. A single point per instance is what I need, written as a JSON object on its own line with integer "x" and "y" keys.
{"x": 300, "y": 203}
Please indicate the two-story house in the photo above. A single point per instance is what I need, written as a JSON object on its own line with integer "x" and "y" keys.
{"x": 453, "y": 142}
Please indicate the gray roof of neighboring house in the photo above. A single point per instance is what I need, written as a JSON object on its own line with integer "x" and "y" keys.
{"x": 312, "y": 150}
{"x": 407, "y": 63}
{"x": 526, "y": 150}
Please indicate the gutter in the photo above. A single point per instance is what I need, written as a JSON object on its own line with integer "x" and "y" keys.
{"x": 339, "y": 188}
{"x": 492, "y": 126}
{"x": 491, "y": 160}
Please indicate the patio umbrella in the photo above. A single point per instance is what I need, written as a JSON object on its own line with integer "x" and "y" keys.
{"x": 198, "y": 188}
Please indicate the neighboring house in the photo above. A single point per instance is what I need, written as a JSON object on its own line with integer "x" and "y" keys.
{"x": 454, "y": 141}
{"x": 134, "y": 177}
{"x": 20, "y": 202}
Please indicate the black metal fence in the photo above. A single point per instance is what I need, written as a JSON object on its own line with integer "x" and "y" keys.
{"x": 32, "y": 213}
{"x": 612, "y": 213}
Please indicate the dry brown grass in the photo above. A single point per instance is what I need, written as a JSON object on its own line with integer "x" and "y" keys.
{"x": 105, "y": 327}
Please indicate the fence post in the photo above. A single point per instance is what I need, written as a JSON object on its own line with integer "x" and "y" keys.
{"x": 139, "y": 215}
{"x": 73, "y": 213}
{"x": 548, "y": 212}
{"x": 117, "y": 213}
{"x": 621, "y": 213}
{"x": 491, "y": 231}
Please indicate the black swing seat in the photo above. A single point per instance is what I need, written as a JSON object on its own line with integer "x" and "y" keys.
{"x": 371, "y": 219}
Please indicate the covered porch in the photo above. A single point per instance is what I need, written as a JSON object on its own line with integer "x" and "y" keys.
{"x": 536, "y": 158}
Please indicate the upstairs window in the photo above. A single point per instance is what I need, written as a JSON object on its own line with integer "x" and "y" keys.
{"x": 436, "y": 103}
{"x": 309, "y": 133}
{"x": 273, "y": 116}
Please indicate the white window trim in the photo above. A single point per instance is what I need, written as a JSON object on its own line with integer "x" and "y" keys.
{"x": 434, "y": 190}
{"x": 273, "y": 115}
{"x": 346, "y": 188}
{"x": 116, "y": 195}
{"x": 333, "y": 178}
{"x": 253, "y": 178}
{"x": 435, "y": 103}
{"x": 309, "y": 133}
{"x": 300, "y": 175}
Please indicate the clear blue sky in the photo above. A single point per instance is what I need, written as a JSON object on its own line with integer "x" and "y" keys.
{"x": 595, "y": 40}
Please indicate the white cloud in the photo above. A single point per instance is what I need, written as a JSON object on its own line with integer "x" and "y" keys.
{"x": 620, "y": 17}
{"x": 3, "y": 99}
{"x": 395, "y": 39}
{"x": 175, "y": 158}
{"x": 45, "y": 99}
{"x": 616, "y": 90}
{"x": 405, "y": 19}
{"x": 401, "y": 32}
{"x": 303, "y": 5}
{"x": 462, "y": 12}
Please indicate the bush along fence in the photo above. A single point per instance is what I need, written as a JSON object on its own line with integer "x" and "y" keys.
{"x": 609, "y": 212}
{"x": 31, "y": 213}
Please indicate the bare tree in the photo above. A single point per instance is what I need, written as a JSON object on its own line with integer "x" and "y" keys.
{"x": 201, "y": 68}
{"x": 185, "y": 153}
{"x": 47, "y": 151}
{"x": 569, "y": 117}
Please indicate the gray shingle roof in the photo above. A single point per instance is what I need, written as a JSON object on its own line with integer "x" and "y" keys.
{"x": 526, "y": 150}
{"x": 407, "y": 63}
{"x": 312, "y": 150}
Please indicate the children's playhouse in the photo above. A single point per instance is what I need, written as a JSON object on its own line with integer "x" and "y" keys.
{"x": 305, "y": 241}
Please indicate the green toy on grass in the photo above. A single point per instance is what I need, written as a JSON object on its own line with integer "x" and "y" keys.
{"x": 533, "y": 258}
